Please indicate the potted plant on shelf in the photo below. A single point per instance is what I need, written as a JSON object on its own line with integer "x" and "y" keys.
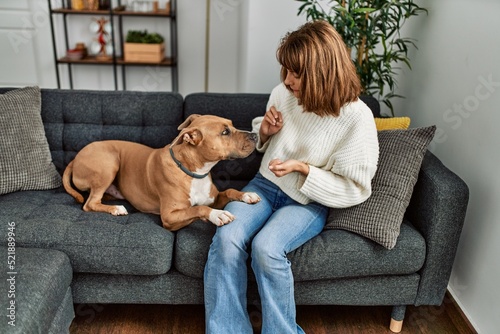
{"x": 141, "y": 46}
{"x": 371, "y": 30}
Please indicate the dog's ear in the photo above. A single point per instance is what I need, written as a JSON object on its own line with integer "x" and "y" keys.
{"x": 192, "y": 136}
{"x": 188, "y": 121}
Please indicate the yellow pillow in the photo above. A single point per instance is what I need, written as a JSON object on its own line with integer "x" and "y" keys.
{"x": 392, "y": 123}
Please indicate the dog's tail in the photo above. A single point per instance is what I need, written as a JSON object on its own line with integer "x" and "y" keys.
{"x": 66, "y": 180}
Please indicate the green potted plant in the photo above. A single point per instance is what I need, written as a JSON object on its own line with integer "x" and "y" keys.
{"x": 372, "y": 31}
{"x": 141, "y": 46}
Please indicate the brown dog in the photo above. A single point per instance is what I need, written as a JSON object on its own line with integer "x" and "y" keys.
{"x": 173, "y": 181}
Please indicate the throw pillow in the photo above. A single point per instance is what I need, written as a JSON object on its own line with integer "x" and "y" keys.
{"x": 392, "y": 123}
{"x": 379, "y": 218}
{"x": 25, "y": 160}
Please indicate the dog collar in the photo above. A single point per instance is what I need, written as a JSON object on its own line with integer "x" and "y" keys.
{"x": 185, "y": 170}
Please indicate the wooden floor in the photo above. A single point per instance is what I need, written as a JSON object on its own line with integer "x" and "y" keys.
{"x": 189, "y": 319}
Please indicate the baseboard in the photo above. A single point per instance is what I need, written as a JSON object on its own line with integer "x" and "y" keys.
{"x": 450, "y": 298}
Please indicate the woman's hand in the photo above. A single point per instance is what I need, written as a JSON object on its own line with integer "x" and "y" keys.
{"x": 271, "y": 124}
{"x": 280, "y": 168}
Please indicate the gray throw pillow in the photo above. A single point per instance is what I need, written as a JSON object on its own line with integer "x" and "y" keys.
{"x": 379, "y": 218}
{"x": 25, "y": 160}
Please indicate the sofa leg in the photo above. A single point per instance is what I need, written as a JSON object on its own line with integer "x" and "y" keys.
{"x": 396, "y": 325}
{"x": 397, "y": 317}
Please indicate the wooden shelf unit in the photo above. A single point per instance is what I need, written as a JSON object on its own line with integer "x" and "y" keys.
{"x": 115, "y": 60}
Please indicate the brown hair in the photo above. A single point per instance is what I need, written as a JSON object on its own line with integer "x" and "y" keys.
{"x": 319, "y": 56}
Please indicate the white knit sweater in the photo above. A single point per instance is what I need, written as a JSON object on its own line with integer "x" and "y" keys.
{"x": 342, "y": 151}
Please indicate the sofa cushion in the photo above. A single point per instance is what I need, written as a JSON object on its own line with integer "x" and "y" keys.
{"x": 135, "y": 244}
{"x": 75, "y": 118}
{"x": 25, "y": 160}
{"x": 380, "y": 216}
{"x": 392, "y": 123}
{"x": 330, "y": 255}
{"x": 39, "y": 289}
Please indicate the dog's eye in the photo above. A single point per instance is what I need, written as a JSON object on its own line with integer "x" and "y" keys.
{"x": 226, "y": 132}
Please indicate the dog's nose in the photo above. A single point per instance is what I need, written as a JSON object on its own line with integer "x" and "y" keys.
{"x": 252, "y": 136}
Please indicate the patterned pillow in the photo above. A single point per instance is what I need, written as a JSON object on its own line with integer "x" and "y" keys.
{"x": 392, "y": 123}
{"x": 25, "y": 160}
{"x": 379, "y": 218}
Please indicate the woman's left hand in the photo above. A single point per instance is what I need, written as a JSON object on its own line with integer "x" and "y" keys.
{"x": 281, "y": 168}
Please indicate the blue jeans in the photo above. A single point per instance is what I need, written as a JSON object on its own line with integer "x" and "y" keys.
{"x": 269, "y": 230}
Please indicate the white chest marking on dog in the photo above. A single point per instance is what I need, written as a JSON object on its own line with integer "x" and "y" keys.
{"x": 200, "y": 188}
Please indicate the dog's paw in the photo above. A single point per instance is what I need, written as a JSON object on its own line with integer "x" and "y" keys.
{"x": 250, "y": 198}
{"x": 220, "y": 217}
{"x": 119, "y": 210}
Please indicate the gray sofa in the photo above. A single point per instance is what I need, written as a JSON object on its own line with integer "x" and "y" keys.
{"x": 99, "y": 258}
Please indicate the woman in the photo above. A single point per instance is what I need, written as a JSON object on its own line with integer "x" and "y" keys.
{"x": 320, "y": 151}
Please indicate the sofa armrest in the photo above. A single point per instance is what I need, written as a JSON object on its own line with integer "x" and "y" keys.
{"x": 437, "y": 209}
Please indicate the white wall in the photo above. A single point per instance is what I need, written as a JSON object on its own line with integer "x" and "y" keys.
{"x": 455, "y": 84}
{"x": 25, "y": 44}
{"x": 266, "y": 23}
{"x": 244, "y": 36}
{"x": 243, "y": 40}
{"x": 27, "y": 58}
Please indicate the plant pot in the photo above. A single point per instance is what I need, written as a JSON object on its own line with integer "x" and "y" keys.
{"x": 144, "y": 53}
